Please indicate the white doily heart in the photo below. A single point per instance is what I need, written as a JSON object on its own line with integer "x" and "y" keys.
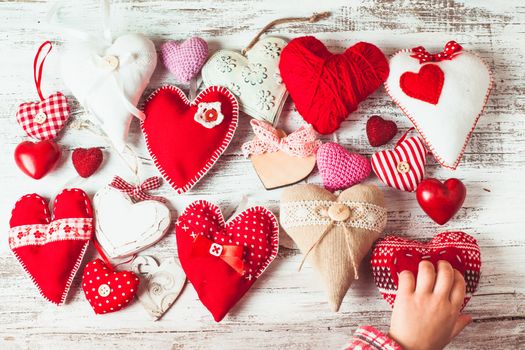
{"x": 443, "y": 99}
{"x": 160, "y": 284}
{"x": 123, "y": 227}
{"x": 254, "y": 79}
{"x": 108, "y": 79}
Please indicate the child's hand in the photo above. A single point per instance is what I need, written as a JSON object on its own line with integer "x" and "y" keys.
{"x": 427, "y": 313}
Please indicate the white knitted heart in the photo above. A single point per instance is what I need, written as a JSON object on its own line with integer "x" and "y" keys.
{"x": 108, "y": 79}
{"x": 123, "y": 227}
{"x": 254, "y": 79}
{"x": 446, "y": 126}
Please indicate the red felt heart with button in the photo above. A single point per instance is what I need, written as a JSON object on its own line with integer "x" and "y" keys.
{"x": 327, "y": 87}
{"x": 441, "y": 201}
{"x": 425, "y": 85}
{"x": 182, "y": 147}
{"x": 50, "y": 249}
{"x": 107, "y": 290}
{"x": 36, "y": 159}
{"x": 223, "y": 260}
{"x": 393, "y": 254}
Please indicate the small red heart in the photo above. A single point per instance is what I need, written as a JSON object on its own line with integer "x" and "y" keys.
{"x": 425, "y": 85}
{"x": 87, "y": 160}
{"x": 441, "y": 201}
{"x": 36, "y": 159}
{"x": 107, "y": 290}
{"x": 380, "y": 131}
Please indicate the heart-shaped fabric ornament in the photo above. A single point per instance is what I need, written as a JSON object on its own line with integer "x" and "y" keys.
{"x": 108, "y": 79}
{"x": 380, "y": 131}
{"x": 254, "y": 79}
{"x": 445, "y": 116}
{"x": 402, "y": 167}
{"x": 36, "y": 159}
{"x": 393, "y": 254}
{"x": 185, "y": 60}
{"x": 160, "y": 284}
{"x": 327, "y": 87}
{"x": 51, "y": 248}
{"x": 339, "y": 168}
{"x": 223, "y": 260}
{"x": 87, "y": 160}
{"x": 107, "y": 290}
{"x": 441, "y": 201}
{"x": 186, "y": 138}
{"x": 334, "y": 232}
{"x": 123, "y": 227}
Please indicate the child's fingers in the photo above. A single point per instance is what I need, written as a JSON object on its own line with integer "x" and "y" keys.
{"x": 407, "y": 282}
{"x": 426, "y": 277}
{"x": 457, "y": 294}
{"x": 444, "y": 279}
{"x": 462, "y": 321}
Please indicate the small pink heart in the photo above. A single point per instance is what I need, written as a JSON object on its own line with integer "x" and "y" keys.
{"x": 186, "y": 59}
{"x": 339, "y": 168}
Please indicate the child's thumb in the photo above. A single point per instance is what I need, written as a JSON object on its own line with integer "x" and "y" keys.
{"x": 462, "y": 321}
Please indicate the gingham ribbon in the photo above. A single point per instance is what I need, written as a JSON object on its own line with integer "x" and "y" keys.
{"x": 138, "y": 192}
{"x": 300, "y": 143}
{"x": 451, "y": 49}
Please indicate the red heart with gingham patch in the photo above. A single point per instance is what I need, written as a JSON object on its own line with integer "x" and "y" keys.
{"x": 223, "y": 260}
{"x": 404, "y": 166}
{"x": 393, "y": 254}
{"x": 43, "y": 120}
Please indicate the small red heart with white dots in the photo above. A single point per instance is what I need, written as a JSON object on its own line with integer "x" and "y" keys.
{"x": 108, "y": 290}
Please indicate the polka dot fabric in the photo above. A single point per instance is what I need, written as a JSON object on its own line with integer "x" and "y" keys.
{"x": 218, "y": 285}
{"x": 107, "y": 290}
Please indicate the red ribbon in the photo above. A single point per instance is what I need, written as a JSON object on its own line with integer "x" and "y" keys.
{"x": 37, "y": 73}
{"x": 138, "y": 192}
{"x": 230, "y": 254}
{"x": 451, "y": 49}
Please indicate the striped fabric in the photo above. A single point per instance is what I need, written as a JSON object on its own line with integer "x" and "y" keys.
{"x": 404, "y": 166}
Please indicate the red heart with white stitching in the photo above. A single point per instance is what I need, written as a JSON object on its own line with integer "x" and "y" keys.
{"x": 44, "y": 119}
{"x": 223, "y": 260}
{"x": 393, "y": 254}
{"x": 185, "y": 139}
{"x": 50, "y": 249}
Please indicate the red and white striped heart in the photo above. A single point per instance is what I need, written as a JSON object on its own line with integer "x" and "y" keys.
{"x": 404, "y": 166}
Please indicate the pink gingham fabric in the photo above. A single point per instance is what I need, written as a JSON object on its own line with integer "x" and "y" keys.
{"x": 369, "y": 338}
{"x": 185, "y": 60}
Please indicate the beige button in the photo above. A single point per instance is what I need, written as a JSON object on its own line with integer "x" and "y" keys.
{"x": 403, "y": 167}
{"x": 338, "y": 212}
{"x": 40, "y": 118}
{"x": 111, "y": 61}
{"x": 104, "y": 290}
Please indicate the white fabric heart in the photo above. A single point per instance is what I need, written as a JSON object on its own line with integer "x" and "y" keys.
{"x": 123, "y": 227}
{"x": 254, "y": 79}
{"x": 160, "y": 284}
{"x": 108, "y": 79}
{"x": 446, "y": 126}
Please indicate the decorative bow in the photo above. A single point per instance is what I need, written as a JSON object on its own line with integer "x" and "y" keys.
{"x": 138, "y": 192}
{"x": 230, "y": 254}
{"x": 451, "y": 49}
{"x": 300, "y": 143}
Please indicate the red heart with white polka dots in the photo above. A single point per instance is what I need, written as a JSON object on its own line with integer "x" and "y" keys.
{"x": 222, "y": 259}
{"x": 108, "y": 290}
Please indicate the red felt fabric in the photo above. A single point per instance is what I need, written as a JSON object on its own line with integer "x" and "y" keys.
{"x": 327, "y": 87}
{"x": 425, "y": 85}
{"x": 183, "y": 149}
{"x": 218, "y": 285}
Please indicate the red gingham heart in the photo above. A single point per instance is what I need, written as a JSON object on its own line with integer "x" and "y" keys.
{"x": 44, "y": 119}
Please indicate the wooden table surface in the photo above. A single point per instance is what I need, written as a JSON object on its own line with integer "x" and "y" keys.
{"x": 285, "y": 309}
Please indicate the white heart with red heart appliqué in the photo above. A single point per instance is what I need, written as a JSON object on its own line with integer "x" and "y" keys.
{"x": 442, "y": 94}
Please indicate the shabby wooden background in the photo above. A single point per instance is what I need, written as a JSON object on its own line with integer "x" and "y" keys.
{"x": 285, "y": 309}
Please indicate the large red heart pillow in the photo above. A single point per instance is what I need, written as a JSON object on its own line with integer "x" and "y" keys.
{"x": 223, "y": 260}
{"x": 186, "y": 138}
{"x": 393, "y": 254}
{"x": 50, "y": 248}
{"x": 327, "y": 87}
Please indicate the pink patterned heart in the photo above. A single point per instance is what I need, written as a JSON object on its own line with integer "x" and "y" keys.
{"x": 185, "y": 60}
{"x": 339, "y": 168}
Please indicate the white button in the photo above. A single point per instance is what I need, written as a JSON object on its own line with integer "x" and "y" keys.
{"x": 215, "y": 249}
{"x": 111, "y": 61}
{"x": 338, "y": 212}
{"x": 40, "y": 118}
{"x": 403, "y": 167}
{"x": 104, "y": 290}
